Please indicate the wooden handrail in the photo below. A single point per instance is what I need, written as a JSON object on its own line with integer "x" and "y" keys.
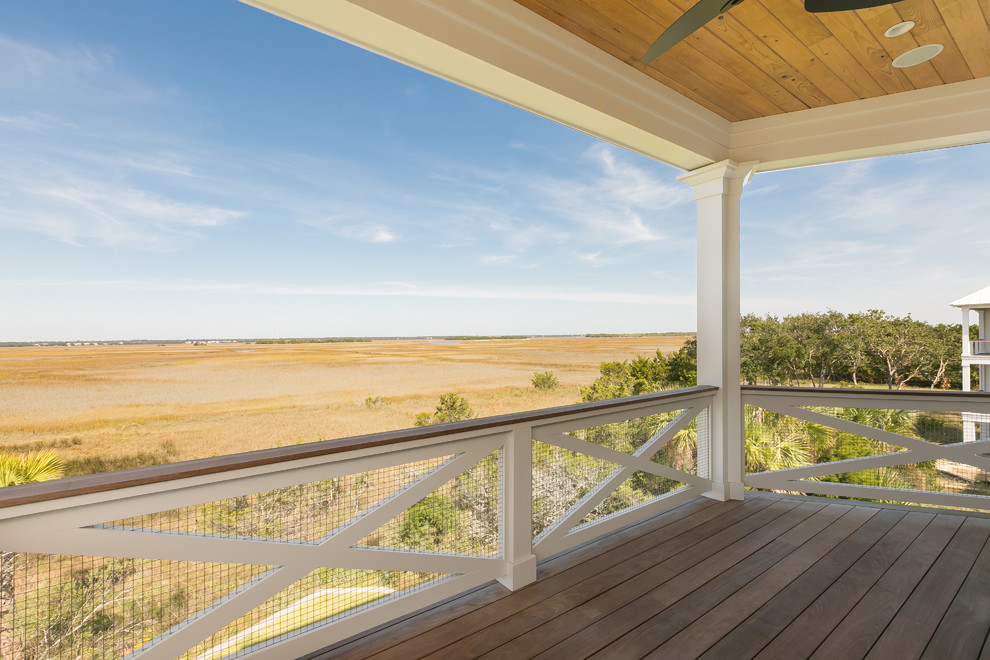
{"x": 107, "y": 481}
{"x": 980, "y": 397}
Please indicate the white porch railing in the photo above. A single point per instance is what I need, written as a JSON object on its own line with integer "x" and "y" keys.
{"x": 897, "y": 446}
{"x": 980, "y": 347}
{"x": 280, "y": 552}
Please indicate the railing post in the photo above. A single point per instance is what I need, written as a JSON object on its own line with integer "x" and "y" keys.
{"x": 517, "y": 508}
{"x": 967, "y": 347}
{"x": 717, "y": 189}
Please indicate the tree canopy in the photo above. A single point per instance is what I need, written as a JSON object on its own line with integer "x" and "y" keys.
{"x": 832, "y": 347}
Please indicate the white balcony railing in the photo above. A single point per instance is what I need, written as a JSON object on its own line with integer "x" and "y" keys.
{"x": 979, "y": 347}
{"x": 930, "y": 448}
{"x": 280, "y": 552}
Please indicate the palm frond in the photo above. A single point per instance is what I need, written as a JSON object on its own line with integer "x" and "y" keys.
{"x": 39, "y": 466}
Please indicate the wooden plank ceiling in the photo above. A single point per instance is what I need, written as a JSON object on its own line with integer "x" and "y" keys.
{"x": 767, "y": 57}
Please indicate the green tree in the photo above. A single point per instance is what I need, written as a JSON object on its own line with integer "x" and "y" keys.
{"x": 615, "y": 381}
{"x": 942, "y": 354}
{"x": 428, "y": 523}
{"x": 898, "y": 343}
{"x": 452, "y": 408}
{"x": 643, "y": 375}
{"x": 854, "y": 358}
{"x": 818, "y": 347}
{"x": 768, "y": 352}
{"x": 682, "y": 366}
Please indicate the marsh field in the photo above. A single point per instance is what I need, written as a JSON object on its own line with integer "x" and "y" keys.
{"x": 113, "y": 407}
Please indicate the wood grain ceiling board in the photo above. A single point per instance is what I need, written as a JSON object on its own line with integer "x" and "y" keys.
{"x": 768, "y": 57}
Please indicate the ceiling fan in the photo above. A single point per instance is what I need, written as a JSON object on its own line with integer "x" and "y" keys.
{"x": 706, "y": 10}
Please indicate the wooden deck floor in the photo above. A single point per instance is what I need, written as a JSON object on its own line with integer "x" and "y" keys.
{"x": 771, "y": 577}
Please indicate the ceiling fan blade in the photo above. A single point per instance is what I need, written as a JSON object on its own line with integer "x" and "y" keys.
{"x": 691, "y": 20}
{"x": 816, "y": 6}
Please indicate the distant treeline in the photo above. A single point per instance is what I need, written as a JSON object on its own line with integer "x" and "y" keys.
{"x": 639, "y": 334}
{"x": 93, "y": 342}
{"x": 835, "y": 348}
{"x": 322, "y": 340}
{"x": 480, "y": 337}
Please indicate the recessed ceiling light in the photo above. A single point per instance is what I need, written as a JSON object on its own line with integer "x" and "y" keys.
{"x": 899, "y": 29}
{"x": 916, "y": 56}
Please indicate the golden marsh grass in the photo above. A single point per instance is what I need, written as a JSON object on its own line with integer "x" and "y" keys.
{"x": 116, "y": 401}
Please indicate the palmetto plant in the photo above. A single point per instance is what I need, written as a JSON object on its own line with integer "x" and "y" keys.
{"x": 777, "y": 442}
{"x": 40, "y": 466}
{"x": 15, "y": 470}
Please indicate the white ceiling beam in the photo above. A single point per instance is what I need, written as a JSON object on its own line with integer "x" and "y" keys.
{"x": 931, "y": 118}
{"x": 505, "y": 51}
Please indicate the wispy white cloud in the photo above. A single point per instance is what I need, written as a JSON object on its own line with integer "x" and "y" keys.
{"x": 384, "y": 289}
{"x": 498, "y": 259}
{"x": 86, "y": 74}
{"x": 85, "y": 210}
{"x": 105, "y": 173}
{"x": 352, "y": 222}
{"x": 612, "y": 204}
{"x": 29, "y": 121}
{"x": 607, "y": 204}
{"x": 892, "y": 233}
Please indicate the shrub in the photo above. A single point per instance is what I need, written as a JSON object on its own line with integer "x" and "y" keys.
{"x": 452, "y": 408}
{"x": 428, "y": 523}
{"x": 545, "y": 380}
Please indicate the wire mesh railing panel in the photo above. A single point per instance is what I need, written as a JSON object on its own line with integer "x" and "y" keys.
{"x": 681, "y": 452}
{"x": 775, "y": 441}
{"x": 302, "y": 513}
{"x": 421, "y": 526}
{"x": 325, "y": 596}
{"x": 560, "y": 478}
{"x": 66, "y": 606}
{"x": 639, "y": 488}
{"x": 627, "y": 436}
{"x": 463, "y": 516}
{"x": 702, "y": 444}
{"x": 938, "y": 476}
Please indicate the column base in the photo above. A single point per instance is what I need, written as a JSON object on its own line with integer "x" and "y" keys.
{"x": 734, "y": 490}
{"x": 520, "y": 573}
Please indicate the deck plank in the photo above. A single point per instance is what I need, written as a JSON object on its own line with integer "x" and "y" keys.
{"x": 771, "y": 577}
{"x": 640, "y": 571}
{"x": 667, "y": 622}
{"x": 625, "y": 614}
{"x": 864, "y": 624}
{"x": 793, "y": 627}
{"x": 916, "y": 622}
{"x": 559, "y": 572}
{"x": 708, "y": 629}
{"x": 627, "y": 618}
{"x": 541, "y": 627}
{"x": 966, "y": 625}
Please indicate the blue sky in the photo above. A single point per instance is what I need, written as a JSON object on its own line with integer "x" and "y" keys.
{"x": 173, "y": 169}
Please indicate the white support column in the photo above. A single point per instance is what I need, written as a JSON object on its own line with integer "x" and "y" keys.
{"x": 965, "y": 336}
{"x": 717, "y": 189}
{"x": 517, "y": 507}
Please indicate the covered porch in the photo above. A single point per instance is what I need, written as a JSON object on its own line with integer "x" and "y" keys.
{"x": 294, "y": 550}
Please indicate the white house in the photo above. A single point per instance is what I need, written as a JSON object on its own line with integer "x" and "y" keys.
{"x": 975, "y": 353}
